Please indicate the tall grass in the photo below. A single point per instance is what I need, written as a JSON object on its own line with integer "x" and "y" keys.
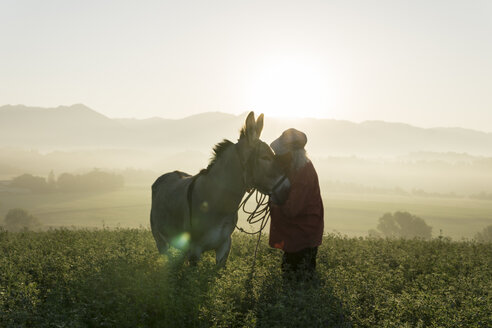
{"x": 116, "y": 278}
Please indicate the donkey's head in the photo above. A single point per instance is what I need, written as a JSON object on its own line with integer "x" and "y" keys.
{"x": 260, "y": 170}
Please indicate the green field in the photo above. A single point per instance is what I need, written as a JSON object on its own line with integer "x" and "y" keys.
{"x": 457, "y": 218}
{"x": 351, "y": 214}
{"x": 115, "y": 278}
{"x": 127, "y": 207}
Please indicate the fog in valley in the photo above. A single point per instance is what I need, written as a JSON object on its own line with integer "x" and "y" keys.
{"x": 365, "y": 169}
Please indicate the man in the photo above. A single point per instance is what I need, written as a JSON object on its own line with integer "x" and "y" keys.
{"x": 296, "y": 206}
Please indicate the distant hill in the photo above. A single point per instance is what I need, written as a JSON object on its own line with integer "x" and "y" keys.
{"x": 60, "y": 127}
{"x": 77, "y": 126}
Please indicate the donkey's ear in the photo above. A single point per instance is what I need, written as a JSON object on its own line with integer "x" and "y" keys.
{"x": 259, "y": 125}
{"x": 251, "y": 127}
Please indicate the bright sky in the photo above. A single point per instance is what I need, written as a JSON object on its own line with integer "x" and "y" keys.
{"x": 422, "y": 62}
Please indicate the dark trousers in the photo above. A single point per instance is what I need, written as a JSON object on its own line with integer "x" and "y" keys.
{"x": 301, "y": 263}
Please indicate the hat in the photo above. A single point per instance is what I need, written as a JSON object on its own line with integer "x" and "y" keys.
{"x": 291, "y": 139}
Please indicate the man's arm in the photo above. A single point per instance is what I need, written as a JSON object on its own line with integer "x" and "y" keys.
{"x": 298, "y": 195}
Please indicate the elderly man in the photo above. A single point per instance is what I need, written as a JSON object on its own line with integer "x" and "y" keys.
{"x": 296, "y": 206}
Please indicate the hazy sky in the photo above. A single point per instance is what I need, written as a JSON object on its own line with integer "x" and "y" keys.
{"x": 427, "y": 63}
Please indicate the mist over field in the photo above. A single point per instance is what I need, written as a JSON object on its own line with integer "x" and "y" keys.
{"x": 365, "y": 169}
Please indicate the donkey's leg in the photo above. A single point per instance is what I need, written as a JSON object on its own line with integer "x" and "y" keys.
{"x": 160, "y": 241}
{"x": 222, "y": 252}
{"x": 155, "y": 225}
{"x": 193, "y": 255}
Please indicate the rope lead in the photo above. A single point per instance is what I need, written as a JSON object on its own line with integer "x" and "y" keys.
{"x": 261, "y": 213}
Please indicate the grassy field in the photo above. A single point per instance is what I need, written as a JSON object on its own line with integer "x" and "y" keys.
{"x": 457, "y": 218}
{"x": 128, "y": 207}
{"x": 351, "y": 214}
{"x": 115, "y": 278}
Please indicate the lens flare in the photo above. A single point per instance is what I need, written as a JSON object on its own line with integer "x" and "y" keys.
{"x": 182, "y": 241}
{"x": 204, "y": 207}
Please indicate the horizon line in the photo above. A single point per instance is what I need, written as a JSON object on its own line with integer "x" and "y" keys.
{"x": 285, "y": 118}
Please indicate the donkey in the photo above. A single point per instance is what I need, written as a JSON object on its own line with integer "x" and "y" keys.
{"x": 199, "y": 213}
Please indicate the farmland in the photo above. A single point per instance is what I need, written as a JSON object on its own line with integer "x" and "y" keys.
{"x": 346, "y": 213}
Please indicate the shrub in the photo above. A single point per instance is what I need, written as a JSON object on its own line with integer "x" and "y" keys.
{"x": 486, "y": 234}
{"x": 402, "y": 225}
{"x": 18, "y": 219}
{"x": 29, "y": 181}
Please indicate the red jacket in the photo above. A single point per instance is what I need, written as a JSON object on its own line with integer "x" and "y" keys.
{"x": 298, "y": 223}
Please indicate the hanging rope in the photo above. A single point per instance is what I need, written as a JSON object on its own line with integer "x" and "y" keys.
{"x": 261, "y": 214}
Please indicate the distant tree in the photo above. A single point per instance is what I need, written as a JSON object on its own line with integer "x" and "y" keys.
{"x": 28, "y": 181}
{"x": 401, "y": 225}
{"x": 66, "y": 182}
{"x": 485, "y": 235}
{"x": 95, "y": 180}
{"x": 482, "y": 195}
{"x": 51, "y": 180}
{"x": 18, "y": 219}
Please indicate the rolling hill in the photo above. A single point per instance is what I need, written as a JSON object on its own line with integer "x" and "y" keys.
{"x": 78, "y": 126}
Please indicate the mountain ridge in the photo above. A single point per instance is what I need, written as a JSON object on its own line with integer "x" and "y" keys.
{"x": 228, "y": 115}
{"x": 80, "y": 126}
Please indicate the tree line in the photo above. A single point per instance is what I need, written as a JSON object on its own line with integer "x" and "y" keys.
{"x": 94, "y": 180}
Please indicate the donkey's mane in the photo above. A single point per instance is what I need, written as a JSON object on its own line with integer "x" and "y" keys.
{"x": 242, "y": 132}
{"x": 217, "y": 152}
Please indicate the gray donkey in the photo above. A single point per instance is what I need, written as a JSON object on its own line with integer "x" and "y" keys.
{"x": 199, "y": 213}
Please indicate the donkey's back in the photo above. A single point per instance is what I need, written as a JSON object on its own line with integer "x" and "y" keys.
{"x": 168, "y": 181}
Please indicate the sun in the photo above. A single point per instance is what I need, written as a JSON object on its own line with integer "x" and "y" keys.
{"x": 291, "y": 88}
